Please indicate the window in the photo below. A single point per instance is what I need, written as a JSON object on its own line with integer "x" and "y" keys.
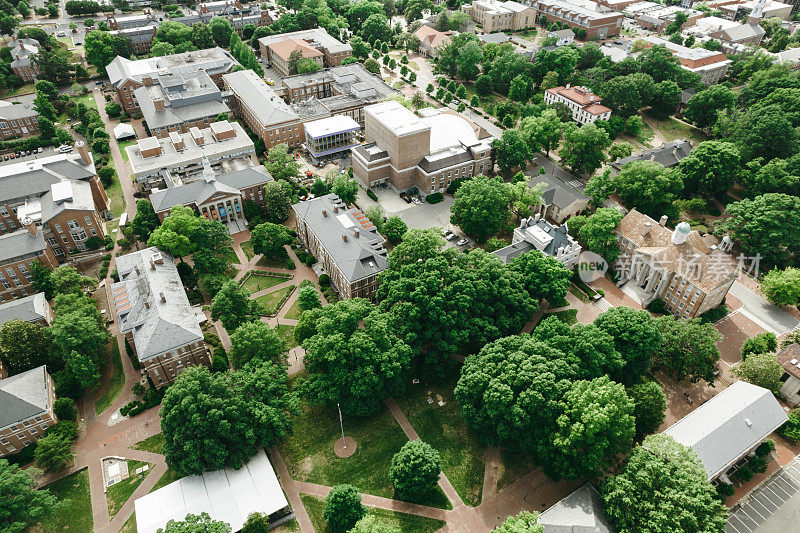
{"x": 58, "y": 228}
{"x": 88, "y": 220}
{"x": 93, "y": 232}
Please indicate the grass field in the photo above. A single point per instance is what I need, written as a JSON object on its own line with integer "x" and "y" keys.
{"x": 258, "y": 281}
{"x": 294, "y": 312}
{"x": 122, "y": 145}
{"x": 77, "y": 513}
{"x": 152, "y": 444}
{"x": 230, "y": 256}
{"x": 247, "y": 248}
{"x": 272, "y": 302}
{"x": 116, "y": 383}
{"x": 87, "y": 99}
{"x": 286, "y": 333}
{"x": 130, "y": 525}
{"x": 168, "y": 477}
{"x": 673, "y": 129}
{"x": 568, "y": 316}
{"x": 119, "y": 493}
{"x": 444, "y": 429}
{"x": 513, "y": 465}
{"x": 405, "y": 523}
{"x": 23, "y": 89}
{"x": 288, "y": 527}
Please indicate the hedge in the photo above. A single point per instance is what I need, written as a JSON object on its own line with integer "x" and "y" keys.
{"x": 435, "y": 198}
{"x": 131, "y": 355}
{"x": 372, "y": 195}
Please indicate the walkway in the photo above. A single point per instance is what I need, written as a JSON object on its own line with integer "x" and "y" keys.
{"x": 763, "y": 313}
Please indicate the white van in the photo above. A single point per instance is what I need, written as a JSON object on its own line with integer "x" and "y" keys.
{"x": 65, "y": 148}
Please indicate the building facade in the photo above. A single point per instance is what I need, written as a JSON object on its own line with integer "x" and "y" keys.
{"x": 285, "y": 54}
{"x": 597, "y": 24}
{"x": 333, "y": 51}
{"x": 18, "y": 252}
{"x": 23, "y": 58}
{"x": 27, "y": 412}
{"x": 19, "y": 120}
{"x": 499, "y": 16}
{"x": 585, "y": 106}
{"x": 430, "y": 39}
{"x": 331, "y": 137}
{"x": 560, "y": 200}
{"x": 711, "y": 66}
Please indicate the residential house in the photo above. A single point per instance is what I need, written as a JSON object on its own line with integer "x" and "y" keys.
{"x": 535, "y": 233}
{"x": 789, "y": 359}
{"x": 596, "y": 23}
{"x": 560, "y": 200}
{"x": 346, "y": 244}
{"x": 669, "y": 155}
{"x": 739, "y": 37}
{"x": 18, "y": 120}
{"x": 581, "y": 511}
{"x": 23, "y": 55}
{"x": 26, "y": 409}
{"x": 430, "y": 39}
{"x": 585, "y": 106}
{"x": 494, "y": 16}
{"x": 333, "y": 51}
{"x": 154, "y": 315}
{"x": 562, "y": 37}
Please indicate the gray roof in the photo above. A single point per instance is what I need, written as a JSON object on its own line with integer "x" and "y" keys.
{"x": 742, "y": 32}
{"x": 556, "y": 191}
{"x": 357, "y": 257}
{"x": 17, "y": 111}
{"x": 498, "y": 37}
{"x": 729, "y": 425}
{"x": 30, "y": 179}
{"x": 559, "y": 235}
{"x": 20, "y": 243}
{"x": 580, "y": 512}
{"x": 429, "y": 164}
{"x": 188, "y": 97}
{"x": 686, "y": 95}
{"x": 350, "y": 85}
{"x": 259, "y": 97}
{"x": 81, "y": 199}
{"x": 157, "y": 326}
{"x": 562, "y": 33}
{"x": 31, "y": 308}
{"x": 212, "y": 60}
{"x": 23, "y": 396}
{"x": 669, "y": 155}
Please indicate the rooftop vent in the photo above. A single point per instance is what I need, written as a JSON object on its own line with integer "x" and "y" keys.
{"x": 748, "y": 422}
{"x": 157, "y": 258}
{"x": 344, "y": 237}
{"x": 358, "y": 233}
{"x": 163, "y": 297}
{"x": 793, "y": 361}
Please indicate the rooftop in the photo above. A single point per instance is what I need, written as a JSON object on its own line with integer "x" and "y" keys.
{"x": 21, "y": 243}
{"x": 23, "y": 396}
{"x": 579, "y": 10}
{"x": 668, "y": 155}
{"x": 31, "y": 308}
{"x": 254, "y": 92}
{"x": 318, "y": 35}
{"x": 10, "y": 111}
{"x": 789, "y": 359}
{"x": 285, "y": 48}
{"x": 581, "y": 511}
{"x": 556, "y": 191}
{"x": 536, "y": 235}
{"x": 183, "y": 98}
{"x": 330, "y": 125}
{"x": 212, "y": 60}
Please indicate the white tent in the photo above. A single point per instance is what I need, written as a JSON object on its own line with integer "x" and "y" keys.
{"x": 124, "y": 131}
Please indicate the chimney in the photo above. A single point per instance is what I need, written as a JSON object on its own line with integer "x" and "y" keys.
{"x": 324, "y": 212}
{"x": 146, "y": 304}
{"x": 163, "y": 297}
{"x": 646, "y": 228}
{"x": 663, "y": 221}
{"x": 136, "y": 268}
{"x": 159, "y": 104}
{"x": 344, "y": 237}
{"x": 335, "y": 208}
{"x": 152, "y": 265}
{"x": 83, "y": 150}
{"x": 357, "y": 232}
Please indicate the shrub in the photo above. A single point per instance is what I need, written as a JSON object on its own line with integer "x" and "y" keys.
{"x": 791, "y": 429}
{"x": 66, "y": 429}
{"x": 745, "y": 473}
{"x": 757, "y": 464}
{"x": 138, "y": 389}
{"x": 131, "y": 355}
{"x": 765, "y": 447}
{"x": 108, "y": 242}
{"x": 435, "y": 198}
{"x": 372, "y": 195}
{"x": 324, "y": 280}
{"x": 715, "y": 314}
{"x": 761, "y": 343}
{"x": 65, "y": 409}
{"x": 212, "y": 339}
{"x": 93, "y": 243}
{"x": 657, "y": 306}
{"x": 106, "y": 175}
{"x": 124, "y": 243}
{"x": 725, "y": 490}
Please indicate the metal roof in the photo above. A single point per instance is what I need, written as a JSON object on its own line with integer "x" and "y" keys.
{"x": 31, "y": 308}
{"x": 581, "y": 511}
{"x": 23, "y": 396}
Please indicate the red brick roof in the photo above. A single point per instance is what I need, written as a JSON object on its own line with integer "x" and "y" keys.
{"x": 577, "y": 94}
{"x": 596, "y": 109}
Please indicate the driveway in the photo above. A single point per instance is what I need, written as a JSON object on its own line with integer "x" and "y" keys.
{"x": 762, "y": 312}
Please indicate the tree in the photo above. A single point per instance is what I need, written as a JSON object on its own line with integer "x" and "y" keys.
{"x": 173, "y": 32}
{"x": 511, "y": 151}
{"x": 345, "y": 187}
{"x": 543, "y": 276}
{"x": 201, "y": 36}
{"x": 636, "y": 338}
{"x": 277, "y": 201}
{"x": 343, "y": 507}
{"x": 688, "y": 349}
{"x": 162, "y": 49}
{"x": 415, "y": 469}
{"x": 666, "y": 98}
{"x": 598, "y": 233}
{"x": 255, "y": 341}
{"x": 518, "y": 90}
{"x": 394, "y": 228}
{"x": 269, "y": 239}
{"x": 352, "y": 365}
{"x": 584, "y": 148}
{"x": 101, "y": 48}
{"x": 600, "y": 186}
{"x": 213, "y": 421}
{"x": 524, "y": 522}
{"x": 649, "y": 406}
{"x": 83, "y": 369}
{"x": 24, "y": 504}
{"x": 376, "y": 26}
{"x": 710, "y": 169}
{"x": 23, "y": 346}
{"x": 596, "y": 425}
{"x": 483, "y": 85}
{"x": 703, "y": 107}
{"x": 66, "y": 279}
{"x": 221, "y": 30}
{"x": 201, "y": 523}
{"x": 145, "y": 222}
{"x": 760, "y": 369}
{"x": 77, "y": 327}
{"x": 480, "y": 207}
{"x": 174, "y": 234}
{"x": 543, "y": 131}
{"x": 765, "y": 132}
{"x": 232, "y": 306}
{"x": 372, "y": 66}
{"x": 64, "y": 409}
{"x": 280, "y": 163}
{"x": 53, "y": 452}
{"x": 7, "y": 23}
{"x": 308, "y": 297}
{"x": 256, "y": 523}
{"x": 648, "y": 187}
{"x": 622, "y": 95}
{"x": 663, "y": 487}
{"x": 782, "y": 287}
{"x": 761, "y": 343}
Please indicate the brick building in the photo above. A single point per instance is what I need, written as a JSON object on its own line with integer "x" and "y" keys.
{"x": 18, "y": 120}
{"x": 585, "y": 106}
{"x": 597, "y": 24}
{"x": 18, "y": 251}
{"x": 155, "y": 316}
{"x": 333, "y": 51}
{"x": 284, "y": 54}
{"x": 430, "y": 39}
{"x": 27, "y": 409}
{"x": 710, "y": 65}
{"x": 23, "y": 54}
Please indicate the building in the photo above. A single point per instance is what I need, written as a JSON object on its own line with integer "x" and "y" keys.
{"x": 238, "y": 14}
{"x": 141, "y": 39}
{"x": 656, "y": 17}
{"x": 18, "y": 251}
{"x": 668, "y": 156}
{"x": 177, "y": 102}
{"x": 585, "y": 106}
{"x": 497, "y": 38}
{"x": 430, "y": 39}
{"x": 535, "y": 233}
{"x": 581, "y": 511}
{"x": 23, "y": 55}
{"x": 216, "y": 197}
{"x": 596, "y": 23}
{"x": 179, "y": 157}
{"x": 155, "y": 316}
{"x": 331, "y": 137}
{"x": 333, "y": 51}
{"x": 494, "y": 16}
{"x": 743, "y": 10}
{"x": 739, "y": 37}
{"x": 27, "y": 409}
{"x": 127, "y": 75}
{"x": 346, "y": 244}
{"x": 560, "y": 200}
{"x": 687, "y": 271}
{"x": 789, "y": 359}
{"x": 426, "y": 152}
{"x": 562, "y": 37}
{"x": 728, "y": 427}
{"x": 284, "y": 55}
{"x": 18, "y": 120}
{"x": 711, "y": 66}
{"x": 33, "y": 309}
{"x": 226, "y": 495}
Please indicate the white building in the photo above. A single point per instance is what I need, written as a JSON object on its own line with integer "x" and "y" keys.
{"x": 535, "y": 233}
{"x": 585, "y": 106}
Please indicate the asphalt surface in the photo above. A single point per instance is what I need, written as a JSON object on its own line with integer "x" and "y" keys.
{"x": 762, "y": 312}
{"x": 772, "y": 508}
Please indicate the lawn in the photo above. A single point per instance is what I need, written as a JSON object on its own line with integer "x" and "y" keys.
{"x": 527, "y": 34}
{"x": 568, "y": 316}
{"x": 577, "y": 293}
{"x": 77, "y": 513}
{"x": 646, "y": 135}
{"x": 286, "y": 333}
{"x": 673, "y": 129}
{"x": 277, "y": 263}
{"x": 119, "y": 493}
{"x": 405, "y": 523}
{"x": 168, "y": 477}
{"x": 231, "y": 257}
{"x": 87, "y": 99}
{"x": 258, "y": 281}
{"x": 122, "y": 145}
{"x": 444, "y": 429}
{"x": 23, "y": 89}
{"x": 130, "y": 525}
{"x": 247, "y": 248}
{"x": 289, "y": 527}
{"x": 152, "y": 444}
{"x": 116, "y": 383}
{"x": 272, "y": 302}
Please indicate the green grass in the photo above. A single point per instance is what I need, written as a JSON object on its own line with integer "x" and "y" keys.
{"x": 122, "y": 145}
{"x": 527, "y": 34}
{"x": 289, "y": 527}
{"x": 276, "y": 263}
{"x": 272, "y": 302}
{"x": 286, "y": 333}
{"x": 77, "y": 513}
{"x": 513, "y": 465}
{"x": 119, "y": 493}
{"x": 258, "y": 281}
{"x": 577, "y": 293}
{"x": 247, "y": 248}
{"x": 168, "y": 477}
{"x": 646, "y": 135}
{"x": 23, "y": 89}
{"x": 568, "y": 316}
{"x": 231, "y": 257}
{"x": 152, "y": 444}
{"x": 559, "y": 303}
{"x": 405, "y": 523}
{"x": 116, "y": 383}
{"x": 294, "y": 312}
{"x": 673, "y": 129}
{"x": 87, "y": 99}
{"x": 444, "y": 429}
{"x": 130, "y": 525}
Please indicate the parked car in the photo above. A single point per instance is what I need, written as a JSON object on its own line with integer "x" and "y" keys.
{"x": 39, "y": 150}
{"x": 65, "y": 148}
{"x": 463, "y": 242}
{"x": 269, "y": 81}
{"x": 5, "y": 158}
{"x": 405, "y": 197}
{"x": 415, "y": 200}
{"x": 98, "y": 82}
{"x": 449, "y": 235}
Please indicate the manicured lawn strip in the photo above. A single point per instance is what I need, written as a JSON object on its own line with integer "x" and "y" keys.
{"x": 406, "y": 523}
{"x": 88, "y": 100}
{"x": 119, "y": 493}
{"x": 247, "y": 248}
{"x": 122, "y": 145}
{"x": 23, "y": 89}
{"x": 230, "y": 256}
{"x": 277, "y": 263}
{"x": 289, "y": 527}
{"x": 513, "y": 465}
{"x": 577, "y": 293}
{"x": 286, "y": 333}
{"x": 169, "y": 476}
{"x": 130, "y": 525}
{"x": 258, "y": 281}
{"x": 272, "y": 302}
{"x": 444, "y": 429}
{"x": 116, "y": 383}
{"x": 152, "y": 444}
{"x": 77, "y": 513}
{"x": 294, "y": 311}
{"x": 559, "y": 303}
{"x": 568, "y": 316}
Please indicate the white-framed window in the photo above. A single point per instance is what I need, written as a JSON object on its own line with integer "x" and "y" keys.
{"x": 58, "y": 227}
{"x": 73, "y": 224}
{"x": 88, "y": 220}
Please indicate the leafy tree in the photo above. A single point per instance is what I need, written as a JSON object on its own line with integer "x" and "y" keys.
{"x": 345, "y": 187}
{"x": 343, "y": 508}
{"x": 543, "y": 276}
{"x": 649, "y": 406}
{"x": 524, "y": 522}
{"x": 174, "y": 234}
{"x": 636, "y": 338}
{"x": 688, "y": 349}
{"x": 66, "y": 279}
{"x": 394, "y": 228}
{"x": 353, "y": 365}
{"x": 600, "y": 186}
{"x": 162, "y": 49}
{"x": 584, "y": 148}
{"x": 483, "y": 85}
{"x": 77, "y": 327}
{"x": 648, "y": 186}
{"x": 83, "y": 369}
{"x": 659, "y": 63}
{"x": 212, "y": 421}
{"x": 664, "y": 471}
{"x": 23, "y": 346}
{"x": 761, "y": 343}
{"x": 145, "y": 222}
{"x": 666, "y": 98}
{"x": 201, "y": 523}
{"x": 704, "y": 106}
{"x": 101, "y": 48}
{"x": 511, "y": 151}
{"x": 53, "y": 452}
{"x": 596, "y": 425}
{"x": 415, "y": 469}
{"x": 765, "y": 132}
{"x": 376, "y": 26}
{"x": 480, "y": 207}
{"x": 256, "y": 523}
{"x": 781, "y": 287}
{"x": 543, "y": 131}
{"x": 221, "y": 30}
{"x": 280, "y": 163}
{"x": 598, "y": 233}
{"x": 232, "y": 306}
{"x": 371, "y": 524}
{"x": 622, "y": 95}
{"x": 710, "y": 169}
{"x": 201, "y": 36}
{"x": 269, "y": 239}
{"x": 173, "y": 32}
{"x": 518, "y": 89}
{"x": 64, "y": 409}
{"x": 308, "y": 297}
{"x": 24, "y": 505}
{"x": 372, "y": 66}
{"x": 255, "y": 341}
{"x": 772, "y": 177}
{"x": 7, "y": 23}
{"x": 277, "y": 201}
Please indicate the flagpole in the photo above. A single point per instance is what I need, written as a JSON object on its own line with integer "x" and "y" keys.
{"x": 341, "y": 424}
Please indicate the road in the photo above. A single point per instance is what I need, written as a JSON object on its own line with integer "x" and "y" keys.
{"x": 762, "y": 312}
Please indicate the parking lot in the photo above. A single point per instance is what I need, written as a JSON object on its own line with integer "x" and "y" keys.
{"x": 47, "y": 151}
{"x": 773, "y": 507}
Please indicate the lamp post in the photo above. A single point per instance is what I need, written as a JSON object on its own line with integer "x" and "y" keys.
{"x": 341, "y": 425}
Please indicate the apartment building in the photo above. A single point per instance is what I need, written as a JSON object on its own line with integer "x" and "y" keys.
{"x": 710, "y": 65}
{"x": 23, "y": 55}
{"x": 499, "y": 16}
{"x": 155, "y": 316}
{"x": 656, "y": 17}
{"x": 27, "y": 411}
{"x": 596, "y": 23}
{"x": 18, "y": 251}
{"x": 425, "y": 152}
{"x": 333, "y": 51}
{"x": 346, "y": 244}
{"x": 17, "y": 120}
{"x": 585, "y": 106}
{"x": 535, "y": 233}
{"x": 127, "y": 75}
{"x": 689, "y": 272}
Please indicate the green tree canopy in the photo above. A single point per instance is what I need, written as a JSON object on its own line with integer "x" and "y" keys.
{"x": 524, "y": 522}
{"x": 232, "y": 306}
{"x": 511, "y": 150}
{"x": 415, "y": 469}
{"x": 688, "y": 349}
{"x": 394, "y": 228}
{"x": 649, "y": 406}
{"x": 53, "y": 452}
{"x": 269, "y": 239}
{"x": 543, "y": 276}
{"x": 636, "y": 337}
{"x": 343, "y": 507}
{"x": 255, "y": 341}
{"x": 584, "y": 148}
{"x": 277, "y": 201}
{"x": 648, "y": 186}
{"x": 345, "y": 187}
{"x": 710, "y": 169}
{"x": 760, "y": 369}
{"x": 201, "y": 523}
{"x": 480, "y": 207}
{"x": 781, "y": 287}
{"x": 280, "y": 163}
{"x": 598, "y": 233}
{"x": 23, "y": 346}
{"x": 23, "y": 503}
{"x": 175, "y": 233}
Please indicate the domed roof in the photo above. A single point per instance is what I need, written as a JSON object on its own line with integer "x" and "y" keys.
{"x": 727, "y": 240}
{"x": 683, "y": 227}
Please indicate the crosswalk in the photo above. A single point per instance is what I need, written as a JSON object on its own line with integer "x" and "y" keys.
{"x": 766, "y": 500}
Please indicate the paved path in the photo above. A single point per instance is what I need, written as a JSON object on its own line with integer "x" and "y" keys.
{"x": 763, "y": 313}
{"x": 122, "y": 167}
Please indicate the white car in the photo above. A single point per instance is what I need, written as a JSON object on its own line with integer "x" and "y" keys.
{"x": 462, "y": 242}
{"x": 415, "y": 200}
{"x": 449, "y": 235}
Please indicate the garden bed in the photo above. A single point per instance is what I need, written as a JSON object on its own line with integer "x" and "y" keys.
{"x": 258, "y": 281}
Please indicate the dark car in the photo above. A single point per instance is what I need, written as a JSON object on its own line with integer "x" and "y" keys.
{"x": 405, "y": 197}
